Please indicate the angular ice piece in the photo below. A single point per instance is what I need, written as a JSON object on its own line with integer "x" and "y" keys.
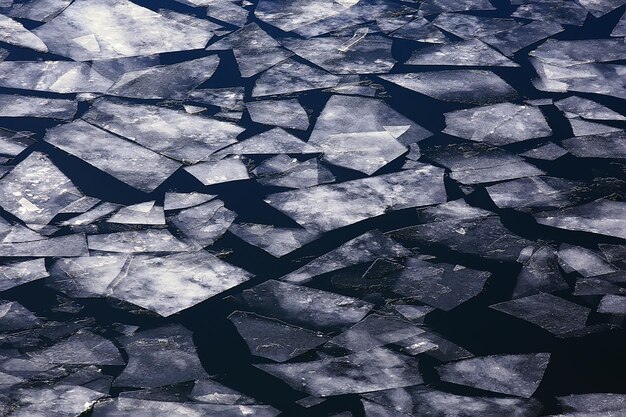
{"x": 444, "y": 286}
{"x": 82, "y": 348}
{"x": 230, "y": 98}
{"x": 102, "y": 29}
{"x": 327, "y": 207}
{"x": 362, "y": 53}
{"x": 535, "y": 192}
{"x": 290, "y": 15}
{"x": 16, "y": 274}
{"x": 585, "y": 128}
{"x": 175, "y": 201}
{"x": 540, "y": 274}
{"x": 151, "y": 351}
{"x": 467, "y": 26}
{"x": 14, "y": 143}
{"x": 563, "y": 12}
{"x": 604, "y": 217}
{"x": 548, "y": 152}
{"x": 373, "y": 331}
{"x": 124, "y": 160}
{"x": 307, "y": 307}
{"x": 427, "y": 402}
{"x": 142, "y": 213}
{"x": 300, "y": 175}
{"x": 228, "y": 12}
{"x": 212, "y": 392}
{"x": 57, "y": 401}
{"x": 575, "y": 106}
{"x": 553, "y": 314}
{"x": 14, "y": 316}
{"x": 277, "y": 241}
{"x": 218, "y": 172}
{"x": 290, "y": 77}
{"x": 471, "y": 53}
{"x": 115, "y": 68}
{"x": 373, "y": 370}
{"x": 601, "y": 7}
{"x": 593, "y": 402}
{"x": 253, "y": 48}
{"x": 137, "y": 241}
{"x": 14, "y": 33}
{"x": 585, "y": 51}
{"x": 586, "y": 262}
{"x": 62, "y": 246}
{"x": 168, "y": 81}
{"x": 37, "y": 10}
{"x": 21, "y": 106}
{"x": 274, "y": 141}
{"x": 518, "y": 375}
{"x": 595, "y": 286}
{"x": 620, "y": 28}
{"x": 415, "y": 314}
{"x": 484, "y": 237}
{"x": 613, "y": 304}
{"x": 91, "y": 216}
{"x": 190, "y": 20}
{"x": 173, "y": 133}
{"x": 613, "y": 252}
{"x": 273, "y": 339}
{"x": 420, "y": 30}
{"x": 461, "y": 86}
{"x": 86, "y": 276}
{"x": 204, "y": 224}
{"x": 81, "y": 205}
{"x": 35, "y": 191}
{"x": 429, "y": 7}
{"x": 606, "y": 145}
{"x": 365, "y": 248}
{"x": 499, "y": 124}
{"x": 452, "y": 210}
{"x": 374, "y": 116}
{"x": 284, "y": 113}
{"x": 511, "y": 41}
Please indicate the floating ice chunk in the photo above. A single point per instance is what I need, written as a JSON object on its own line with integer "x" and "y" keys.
{"x": 585, "y": 128}
{"x": 374, "y": 116}
{"x": 373, "y": 370}
{"x": 510, "y": 41}
{"x": 230, "y": 98}
{"x": 142, "y": 213}
{"x": 601, "y": 7}
{"x": 204, "y": 224}
{"x": 187, "y": 19}
{"x": 126, "y": 161}
{"x": 468, "y": 53}
{"x": 273, "y": 339}
{"x": 575, "y": 106}
{"x": 298, "y": 175}
{"x": 115, "y": 68}
{"x": 277, "y": 241}
{"x": 535, "y": 192}
{"x": 585, "y": 51}
{"x": 290, "y": 15}
{"x": 212, "y": 392}
{"x": 254, "y": 49}
{"x": 14, "y": 316}
{"x": 427, "y": 402}
{"x": 91, "y": 216}
{"x": 462, "y": 86}
{"x": 518, "y": 375}
{"x": 415, "y": 314}
{"x": 499, "y": 124}
{"x": 327, "y": 207}
{"x": 103, "y": 29}
{"x": 218, "y": 172}
{"x": 151, "y": 351}
{"x": 604, "y": 217}
{"x": 173, "y": 133}
{"x": 584, "y": 261}
{"x": 563, "y": 12}
{"x": 228, "y": 12}
{"x": 36, "y": 190}
{"x": 82, "y": 348}
{"x": 81, "y": 205}
{"x": 14, "y": 33}
{"x": 362, "y": 53}
{"x": 606, "y": 145}
{"x": 613, "y": 304}
{"x": 274, "y": 141}
{"x": 440, "y": 285}
{"x": 284, "y": 113}
{"x": 553, "y": 314}
{"x": 420, "y": 30}
{"x": 290, "y": 77}
{"x": 57, "y": 401}
{"x": 175, "y": 201}
{"x": 593, "y": 402}
{"x": 540, "y": 274}
{"x": 613, "y": 252}
{"x": 595, "y": 286}
{"x": 13, "y": 143}
{"x": 467, "y": 26}
{"x": 137, "y": 241}
{"x": 452, "y": 210}
{"x": 172, "y": 283}
{"x": 620, "y": 28}
{"x": 304, "y": 306}
{"x": 62, "y": 246}
{"x": 37, "y": 10}
{"x": 430, "y": 7}
{"x": 86, "y": 276}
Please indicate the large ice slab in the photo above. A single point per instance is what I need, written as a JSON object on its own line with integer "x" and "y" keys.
{"x": 205, "y": 223}
{"x": 535, "y": 192}
{"x": 13, "y": 275}
{"x": 61, "y": 246}
{"x": 14, "y": 33}
{"x": 540, "y": 274}
{"x": 82, "y": 348}
{"x": 468, "y": 26}
{"x": 273, "y": 141}
{"x": 277, "y": 241}
{"x": 610, "y": 145}
{"x": 576, "y": 52}
{"x": 12, "y": 105}
{"x": 510, "y": 41}
{"x": 472, "y": 53}
{"x": 283, "y": 113}
{"x": 58, "y": 401}
{"x": 138, "y": 241}
{"x": 290, "y": 77}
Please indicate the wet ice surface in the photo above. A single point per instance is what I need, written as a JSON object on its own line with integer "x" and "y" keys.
{"x": 351, "y": 208}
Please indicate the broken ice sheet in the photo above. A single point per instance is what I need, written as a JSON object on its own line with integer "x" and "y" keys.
{"x": 586, "y": 262}
{"x": 273, "y": 339}
{"x": 253, "y": 48}
{"x": 85, "y": 276}
{"x": 472, "y": 53}
{"x": 290, "y": 15}
{"x": 14, "y": 316}
{"x": 137, "y": 241}
{"x": 79, "y": 223}
{"x": 599, "y": 8}
{"x": 220, "y": 171}
{"x": 613, "y": 304}
{"x": 124, "y": 160}
{"x": 467, "y": 26}
{"x": 175, "y": 201}
{"x": 230, "y": 98}
{"x": 205, "y": 223}
{"x": 227, "y": 11}
{"x": 551, "y": 313}
{"x": 461, "y": 86}
{"x": 212, "y": 392}
{"x": 540, "y": 274}
{"x": 277, "y": 241}
{"x": 440, "y": 285}
{"x": 294, "y": 174}
{"x": 327, "y": 207}
{"x": 585, "y": 51}
{"x": 518, "y": 375}
{"x": 16, "y": 274}
{"x": 53, "y": 76}
{"x": 35, "y": 191}
{"x": 284, "y": 113}
{"x": 82, "y": 348}
{"x": 429, "y": 7}
{"x": 151, "y": 351}
{"x": 510, "y": 41}
{"x": 499, "y": 124}
{"x": 373, "y": 370}
{"x": 57, "y": 401}
{"x": 563, "y": 12}
{"x": 14, "y": 33}
{"x": 142, "y": 213}
{"x": 167, "y": 81}
{"x": 307, "y": 307}
{"x": 593, "y": 402}
{"x": 103, "y": 29}
{"x": 363, "y": 53}
{"x": 604, "y": 217}
{"x": 61, "y": 246}
{"x": 535, "y": 192}
{"x": 290, "y": 77}
{"x": 605, "y": 145}
{"x": 585, "y": 128}
{"x": 37, "y": 10}
{"x": 173, "y": 133}
{"x": 273, "y": 141}
{"x": 420, "y": 30}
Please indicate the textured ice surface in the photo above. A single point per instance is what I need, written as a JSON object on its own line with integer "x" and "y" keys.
{"x": 284, "y": 113}
{"x": 473, "y": 53}
{"x": 278, "y": 241}
{"x": 290, "y": 77}
{"x": 21, "y": 106}
{"x": 205, "y": 223}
